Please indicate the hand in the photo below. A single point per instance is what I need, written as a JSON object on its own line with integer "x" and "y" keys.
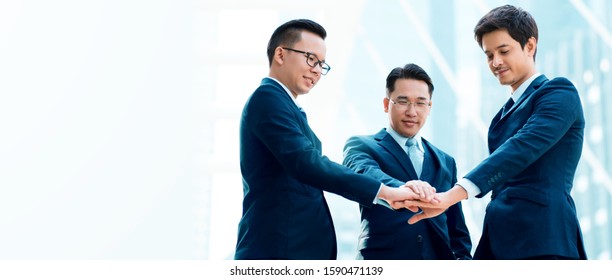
{"x": 425, "y": 191}
{"x": 435, "y": 207}
{"x": 396, "y": 196}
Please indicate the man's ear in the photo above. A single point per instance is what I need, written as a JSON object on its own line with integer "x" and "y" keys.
{"x": 531, "y": 46}
{"x": 279, "y": 55}
{"x": 386, "y": 104}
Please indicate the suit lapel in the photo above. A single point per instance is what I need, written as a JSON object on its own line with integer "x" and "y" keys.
{"x": 386, "y": 141}
{"x": 433, "y": 172}
{"x": 300, "y": 116}
{"x": 535, "y": 85}
{"x": 431, "y": 165}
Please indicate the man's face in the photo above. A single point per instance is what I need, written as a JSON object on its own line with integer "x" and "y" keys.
{"x": 408, "y": 106}
{"x": 294, "y": 72}
{"x": 510, "y": 63}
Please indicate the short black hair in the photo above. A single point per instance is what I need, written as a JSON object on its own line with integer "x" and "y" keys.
{"x": 409, "y": 71}
{"x": 289, "y": 33}
{"x": 519, "y": 23}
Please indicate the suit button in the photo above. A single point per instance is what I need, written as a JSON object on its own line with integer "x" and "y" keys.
{"x": 419, "y": 238}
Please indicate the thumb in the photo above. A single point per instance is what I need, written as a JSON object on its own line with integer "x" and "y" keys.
{"x": 414, "y": 219}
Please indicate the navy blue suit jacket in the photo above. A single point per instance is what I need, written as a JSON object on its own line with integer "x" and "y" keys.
{"x": 535, "y": 150}
{"x": 385, "y": 234}
{"x": 284, "y": 174}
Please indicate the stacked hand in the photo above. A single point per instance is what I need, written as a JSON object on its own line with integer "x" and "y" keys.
{"x": 419, "y": 196}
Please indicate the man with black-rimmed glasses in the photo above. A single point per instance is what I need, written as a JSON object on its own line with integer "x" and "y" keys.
{"x": 284, "y": 173}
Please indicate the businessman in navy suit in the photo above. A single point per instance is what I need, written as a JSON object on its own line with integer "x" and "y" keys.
{"x": 385, "y": 156}
{"x": 535, "y": 142}
{"x": 284, "y": 174}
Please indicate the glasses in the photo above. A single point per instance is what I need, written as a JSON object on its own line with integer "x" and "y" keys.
{"x": 405, "y": 105}
{"x": 312, "y": 60}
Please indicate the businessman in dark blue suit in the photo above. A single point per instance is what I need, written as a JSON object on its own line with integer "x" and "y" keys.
{"x": 535, "y": 143}
{"x": 284, "y": 174}
{"x": 385, "y": 156}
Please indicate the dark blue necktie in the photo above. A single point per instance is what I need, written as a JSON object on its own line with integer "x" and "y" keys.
{"x": 303, "y": 113}
{"x": 507, "y": 106}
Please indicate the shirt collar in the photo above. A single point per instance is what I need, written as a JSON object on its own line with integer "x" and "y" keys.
{"x": 401, "y": 140}
{"x": 287, "y": 91}
{"x": 523, "y": 87}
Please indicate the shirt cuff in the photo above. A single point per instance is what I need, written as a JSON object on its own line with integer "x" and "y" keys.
{"x": 376, "y": 199}
{"x": 469, "y": 187}
{"x": 380, "y": 201}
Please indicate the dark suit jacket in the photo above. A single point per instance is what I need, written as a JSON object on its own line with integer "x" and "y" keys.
{"x": 534, "y": 149}
{"x": 385, "y": 234}
{"x": 284, "y": 174}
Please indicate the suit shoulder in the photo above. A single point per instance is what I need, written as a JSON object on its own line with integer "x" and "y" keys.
{"x": 561, "y": 96}
{"x": 562, "y": 88}
{"x": 268, "y": 103}
{"x": 360, "y": 139}
{"x": 266, "y": 91}
{"x": 560, "y": 83}
{"x": 560, "y": 80}
{"x": 267, "y": 96}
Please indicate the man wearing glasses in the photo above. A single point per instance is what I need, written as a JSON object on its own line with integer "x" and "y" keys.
{"x": 399, "y": 154}
{"x": 284, "y": 174}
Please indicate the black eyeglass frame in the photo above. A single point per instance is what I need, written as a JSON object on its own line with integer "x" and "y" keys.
{"x": 321, "y": 63}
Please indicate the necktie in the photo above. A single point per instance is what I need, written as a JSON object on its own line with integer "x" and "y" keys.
{"x": 416, "y": 156}
{"x": 507, "y": 106}
{"x": 303, "y": 113}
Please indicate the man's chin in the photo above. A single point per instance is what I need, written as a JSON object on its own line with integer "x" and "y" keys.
{"x": 505, "y": 82}
{"x": 408, "y": 133}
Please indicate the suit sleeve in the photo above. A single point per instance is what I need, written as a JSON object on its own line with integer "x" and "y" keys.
{"x": 358, "y": 156}
{"x": 556, "y": 107}
{"x": 276, "y": 124}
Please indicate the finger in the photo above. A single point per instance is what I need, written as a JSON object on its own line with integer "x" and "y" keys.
{"x": 426, "y": 194}
{"x": 414, "y": 219}
{"x": 413, "y": 203}
{"x": 422, "y": 190}
{"x": 396, "y": 205}
{"x": 413, "y": 186}
{"x": 433, "y": 204}
{"x": 429, "y": 192}
{"x": 407, "y": 194}
{"x": 400, "y": 204}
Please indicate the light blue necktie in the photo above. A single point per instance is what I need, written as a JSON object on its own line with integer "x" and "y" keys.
{"x": 416, "y": 156}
